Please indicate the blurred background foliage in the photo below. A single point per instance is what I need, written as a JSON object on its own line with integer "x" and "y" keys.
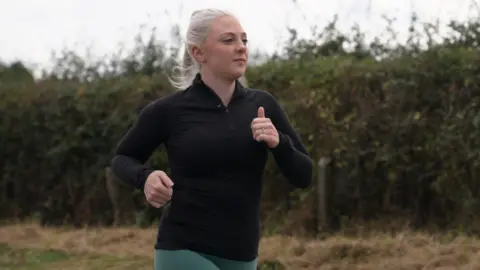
{"x": 400, "y": 122}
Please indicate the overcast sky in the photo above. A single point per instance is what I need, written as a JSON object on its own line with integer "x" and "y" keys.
{"x": 31, "y": 29}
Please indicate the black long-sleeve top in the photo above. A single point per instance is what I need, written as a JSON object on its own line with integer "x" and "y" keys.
{"x": 216, "y": 166}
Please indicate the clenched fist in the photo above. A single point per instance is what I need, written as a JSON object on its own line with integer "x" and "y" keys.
{"x": 158, "y": 188}
{"x": 264, "y": 130}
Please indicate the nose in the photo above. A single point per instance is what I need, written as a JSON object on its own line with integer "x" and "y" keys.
{"x": 241, "y": 47}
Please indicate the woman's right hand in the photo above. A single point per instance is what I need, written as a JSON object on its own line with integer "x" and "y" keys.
{"x": 158, "y": 188}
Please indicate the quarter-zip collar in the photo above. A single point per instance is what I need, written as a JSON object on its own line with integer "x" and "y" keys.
{"x": 199, "y": 87}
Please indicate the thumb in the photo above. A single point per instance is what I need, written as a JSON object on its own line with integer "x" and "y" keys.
{"x": 165, "y": 179}
{"x": 261, "y": 112}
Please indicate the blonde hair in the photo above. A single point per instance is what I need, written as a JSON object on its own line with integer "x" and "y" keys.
{"x": 197, "y": 33}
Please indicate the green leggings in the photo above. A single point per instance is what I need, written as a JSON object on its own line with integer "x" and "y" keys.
{"x": 190, "y": 260}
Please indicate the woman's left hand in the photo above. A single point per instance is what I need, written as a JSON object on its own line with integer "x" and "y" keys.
{"x": 264, "y": 130}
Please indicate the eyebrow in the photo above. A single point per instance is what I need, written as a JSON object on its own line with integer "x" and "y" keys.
{"x": 232, "y": 34}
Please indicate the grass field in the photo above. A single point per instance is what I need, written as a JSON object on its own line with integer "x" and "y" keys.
{"x": 27, "y": 246}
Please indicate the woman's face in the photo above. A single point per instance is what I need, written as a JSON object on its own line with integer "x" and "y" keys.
{"x": 224, "y": 52}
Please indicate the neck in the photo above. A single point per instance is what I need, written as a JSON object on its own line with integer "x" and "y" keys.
{"x": 222, "y": 87}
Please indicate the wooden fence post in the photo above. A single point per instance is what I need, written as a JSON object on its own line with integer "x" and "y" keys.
{"x": 120, "y": 196}
{"x": 323, "y": 221}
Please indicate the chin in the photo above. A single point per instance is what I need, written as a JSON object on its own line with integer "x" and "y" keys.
{"x": 238, "y": 73}
{"x": 233, "y": 73}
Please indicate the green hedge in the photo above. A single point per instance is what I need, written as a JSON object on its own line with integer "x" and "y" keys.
{"x": 403, "y": 133}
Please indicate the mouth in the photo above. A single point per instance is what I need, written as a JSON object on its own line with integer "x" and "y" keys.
{"x": 240, "y": 60}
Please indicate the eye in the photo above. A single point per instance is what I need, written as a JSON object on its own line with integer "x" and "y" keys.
{"x": 245, "y": 41}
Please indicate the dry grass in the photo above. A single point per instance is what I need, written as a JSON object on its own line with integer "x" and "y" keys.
{"x": 132, "y": 248}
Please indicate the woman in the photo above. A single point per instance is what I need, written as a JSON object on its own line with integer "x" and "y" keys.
{"x": 217, "y": 134}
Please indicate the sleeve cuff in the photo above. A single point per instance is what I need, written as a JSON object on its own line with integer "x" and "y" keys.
{"x": 285, "y": 145}
{"x": 143, "y": 178}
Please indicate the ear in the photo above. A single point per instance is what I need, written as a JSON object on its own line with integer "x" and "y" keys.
{"x": 197, "y": 54}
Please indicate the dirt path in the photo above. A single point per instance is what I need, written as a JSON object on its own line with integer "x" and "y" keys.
{"x": 94, "y": 248}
